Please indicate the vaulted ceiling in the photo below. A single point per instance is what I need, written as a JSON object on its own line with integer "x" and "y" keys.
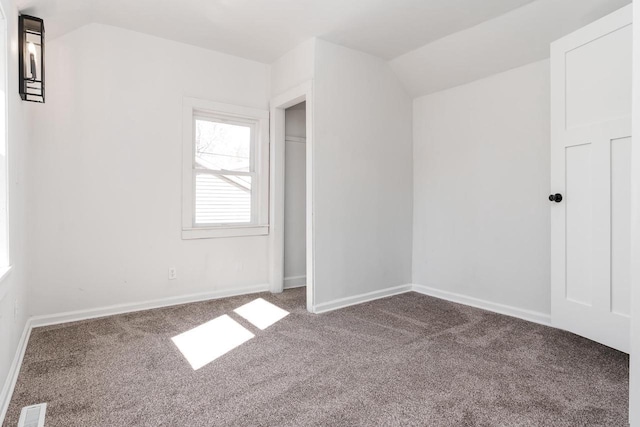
{"x": 263, "y": 30}
{"x": 517, "y": 38}
{"x": 431, "y": 44}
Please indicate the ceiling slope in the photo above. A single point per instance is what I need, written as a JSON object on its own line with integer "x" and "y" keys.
{"x": 265, "y": 30}
{"x": 514, "y": 39}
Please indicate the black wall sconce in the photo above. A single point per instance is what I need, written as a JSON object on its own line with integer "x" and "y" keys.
{"x": 31, "y": 58}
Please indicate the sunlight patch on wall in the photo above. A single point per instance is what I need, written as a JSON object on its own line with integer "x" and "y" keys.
{"x": 207, "y": 342}
{"x": 261, "y": 313}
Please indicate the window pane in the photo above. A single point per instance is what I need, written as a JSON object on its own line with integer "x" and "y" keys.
{"x": 222, "y": 146}
{"x": 223, "y": 199}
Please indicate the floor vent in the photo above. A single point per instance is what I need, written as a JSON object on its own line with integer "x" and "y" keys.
{"x": 32, "y": 416}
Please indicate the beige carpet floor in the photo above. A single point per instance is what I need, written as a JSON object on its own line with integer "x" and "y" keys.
{"x": 407, "y": 360}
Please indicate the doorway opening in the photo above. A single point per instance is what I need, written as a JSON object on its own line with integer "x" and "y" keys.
{"x": 291, "y": 230}
{"x": 295, "y": 258}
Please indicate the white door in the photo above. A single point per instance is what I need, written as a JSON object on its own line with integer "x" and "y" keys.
{"x": 591, "y": 171}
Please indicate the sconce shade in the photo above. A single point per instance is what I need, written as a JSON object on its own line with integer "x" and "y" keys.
{"x": 31, "y": 58}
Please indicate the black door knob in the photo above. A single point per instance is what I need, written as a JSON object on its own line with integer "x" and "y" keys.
{"x": 555, "y": 198}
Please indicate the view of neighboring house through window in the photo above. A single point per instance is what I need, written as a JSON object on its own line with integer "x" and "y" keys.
{"x": 224, "y": 172}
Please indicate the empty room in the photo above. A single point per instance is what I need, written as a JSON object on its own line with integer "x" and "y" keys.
{"x": 319, "y": 213}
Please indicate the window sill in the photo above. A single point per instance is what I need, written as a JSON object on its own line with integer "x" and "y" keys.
{"x": 221, "y": 232}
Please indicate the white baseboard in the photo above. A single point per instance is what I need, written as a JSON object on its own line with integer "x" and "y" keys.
{"x": 74, "y": 316}
{"x": 14, "y": 370}
{"x": 359, "y": 299}
{"x": 530, "y": 315}
{"x": 295, "y": 282}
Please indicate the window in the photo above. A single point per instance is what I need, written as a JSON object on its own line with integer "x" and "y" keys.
{"x": 225, "y": 170}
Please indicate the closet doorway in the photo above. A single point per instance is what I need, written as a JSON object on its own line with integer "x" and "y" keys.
{"x": 291, "y": 229}
{"x": 295, "y": 251}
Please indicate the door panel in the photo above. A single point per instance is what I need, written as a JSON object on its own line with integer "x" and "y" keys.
{"x": 579, "y": 223}
{"x": 590, "y": 150}
{"x": 591, "y": 98}
{"x": 620, "y": 225}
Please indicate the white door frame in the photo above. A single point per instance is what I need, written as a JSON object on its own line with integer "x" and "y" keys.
{"x": 279, "y": 104}
{"x": 634, "y": 380}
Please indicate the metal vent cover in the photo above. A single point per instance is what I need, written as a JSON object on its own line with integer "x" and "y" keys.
{"x": 32, "y": 416}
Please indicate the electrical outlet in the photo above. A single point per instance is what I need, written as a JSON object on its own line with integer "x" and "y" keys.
{"x": 173, "y": 274}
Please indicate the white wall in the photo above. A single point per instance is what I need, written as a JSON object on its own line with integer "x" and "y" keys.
{"x": 105, "y": 215}
{"x": 293, "y": 68}
{"x": 295, "y": 263}
{"x": 105, "y": 211}
{"x": 362, "y": 175}
{"x": 13, "y": 292}
{"x": 634, "y": 386}
{"x": 481, "y": 179}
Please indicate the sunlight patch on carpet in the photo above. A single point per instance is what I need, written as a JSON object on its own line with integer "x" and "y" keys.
{"x": 261, "y": 313}
{"x": 207, "y": 342}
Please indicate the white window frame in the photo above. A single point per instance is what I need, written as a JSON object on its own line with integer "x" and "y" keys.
{"x": 258, "y": 120}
